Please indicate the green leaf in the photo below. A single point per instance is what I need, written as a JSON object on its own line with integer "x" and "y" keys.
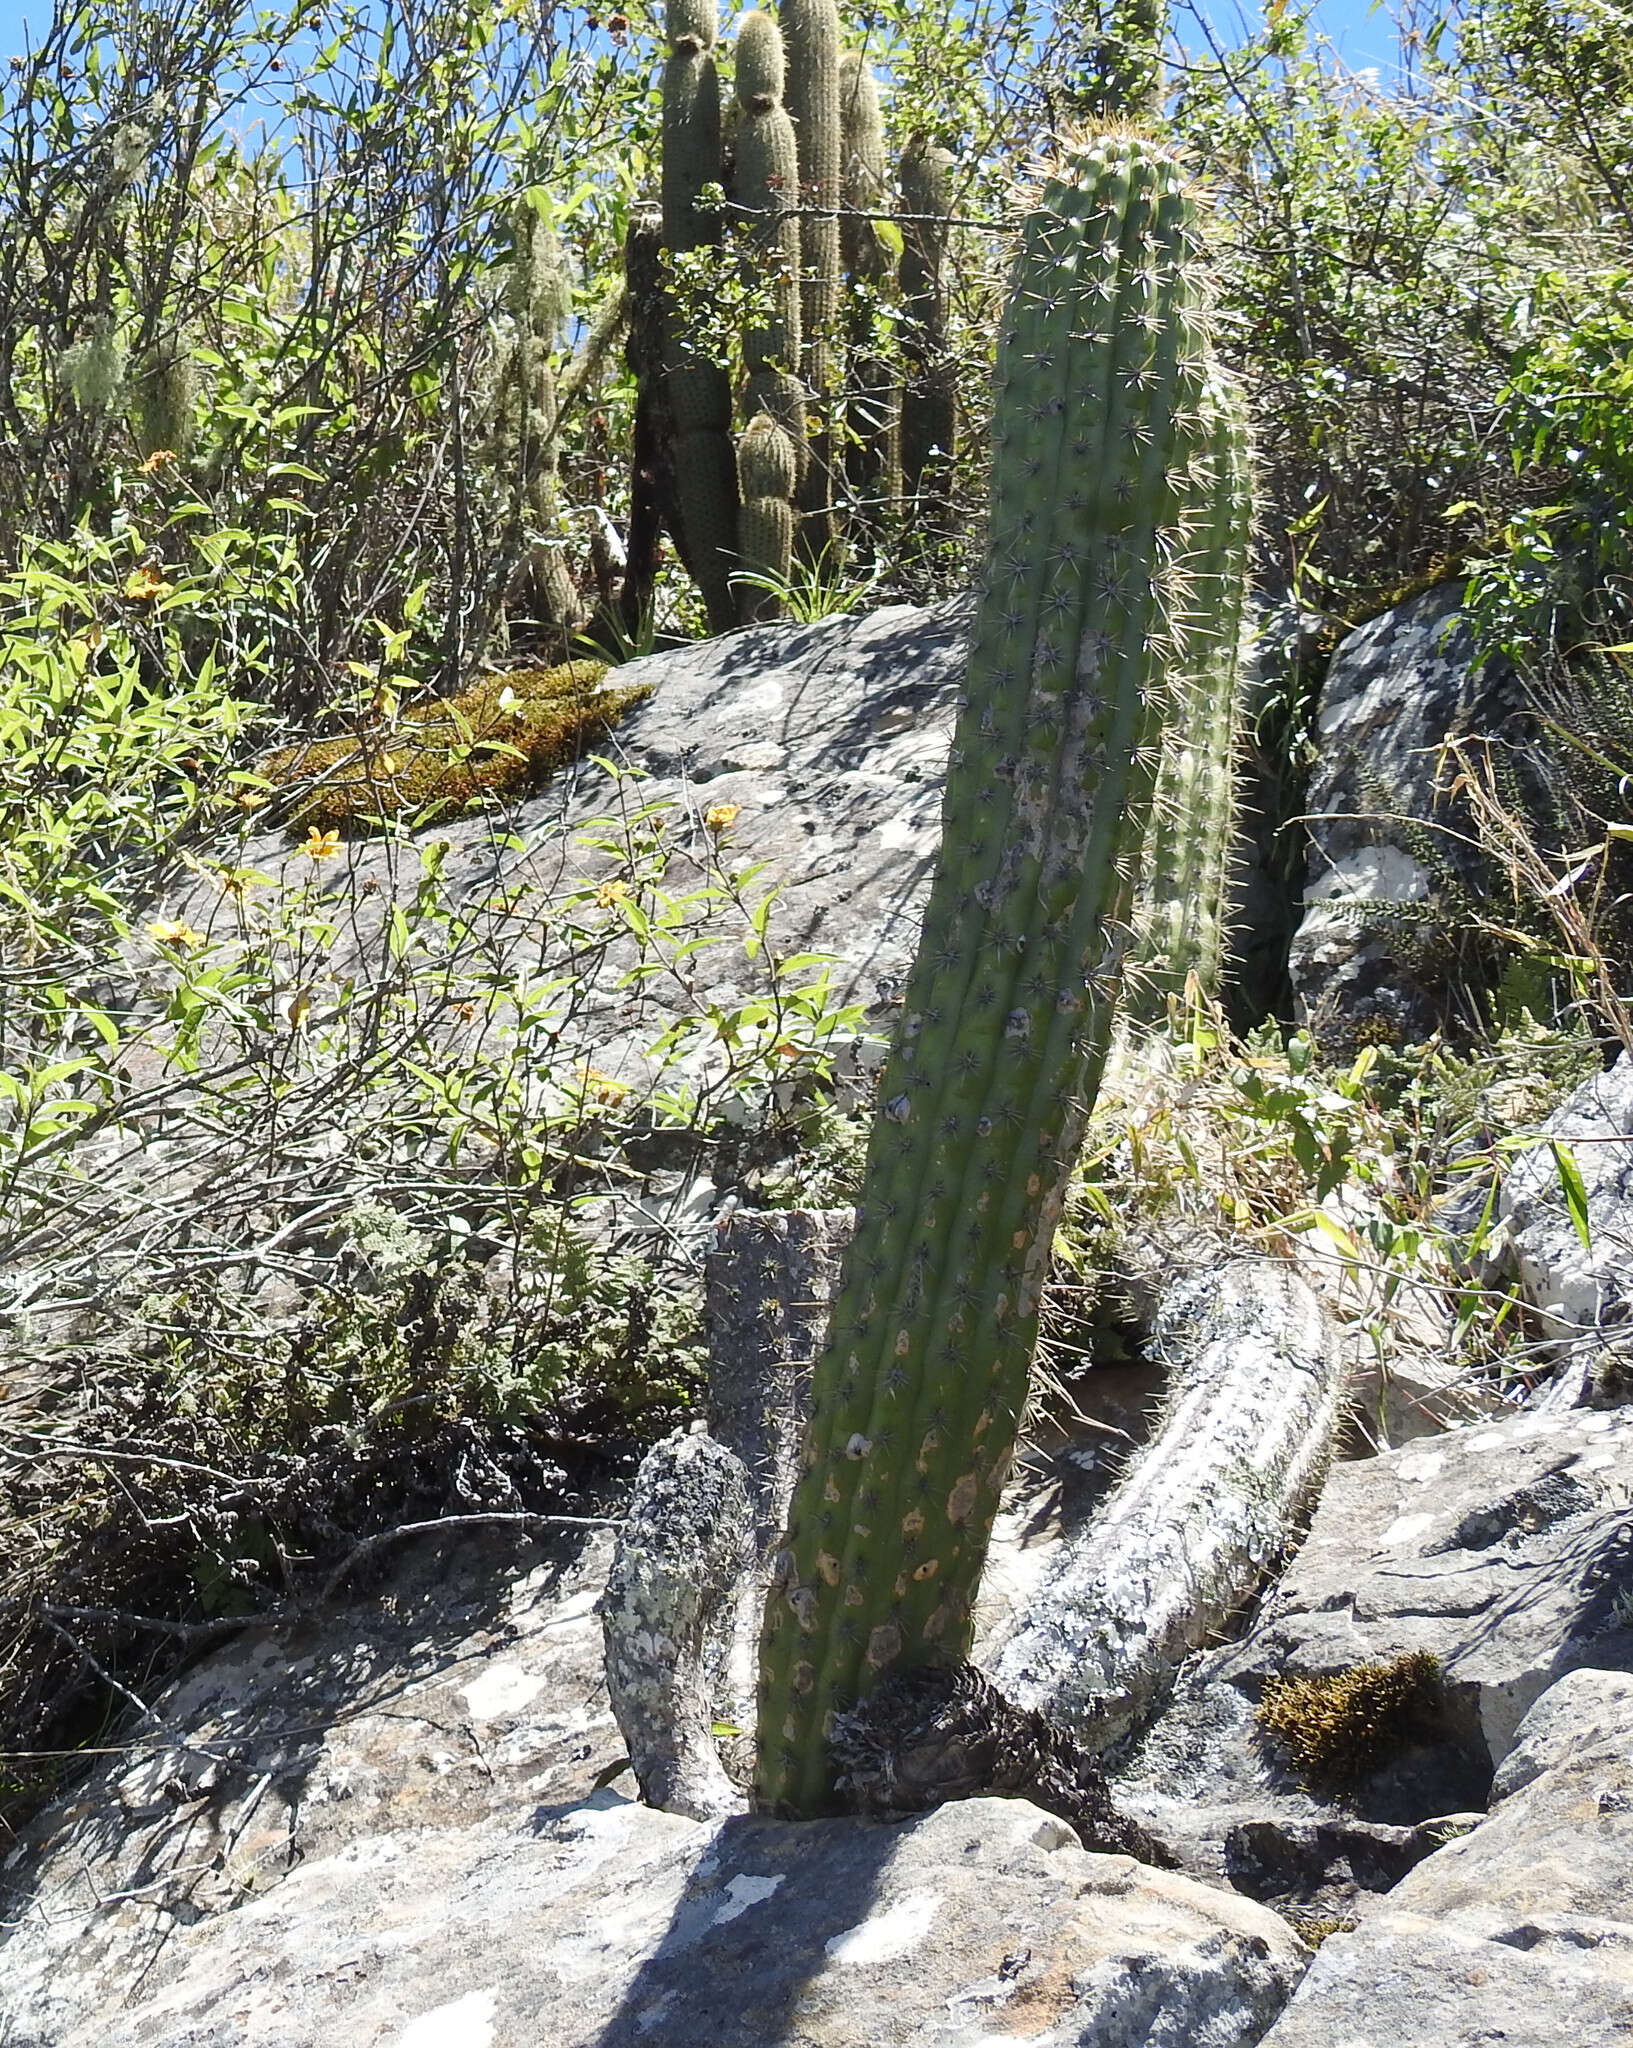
{"x": 1572, "y": 1188}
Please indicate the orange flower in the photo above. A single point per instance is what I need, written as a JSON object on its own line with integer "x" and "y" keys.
{"x": 173, "y": 932}
{"x": 320, "y": 845}
{"x": 157, "y": 461}
{"x": 610, "y": 893}
{"x": 721, "y": 817}
{"x": 144, "y": 585}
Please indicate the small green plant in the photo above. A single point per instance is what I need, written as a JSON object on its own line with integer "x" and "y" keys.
{"x": 1338, "y": 1727}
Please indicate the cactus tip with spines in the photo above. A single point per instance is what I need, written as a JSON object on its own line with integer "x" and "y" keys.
{"x": 760, "y": 64}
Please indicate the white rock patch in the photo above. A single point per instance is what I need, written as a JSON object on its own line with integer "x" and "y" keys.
{"x": 743, "y": 1892}
{"x": 501, "y": 1689}
{"x": 467, "y": 2023}
{"x": 887, "y": 1935}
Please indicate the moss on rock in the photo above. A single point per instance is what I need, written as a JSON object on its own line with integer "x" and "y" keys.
{"x": 1341, "y": 1725}
{"x": 503, "y": 736}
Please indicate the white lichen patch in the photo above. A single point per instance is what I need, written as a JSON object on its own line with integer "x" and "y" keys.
{"x": 1406, "y": 1529}
{"x": 887, "y": 1936}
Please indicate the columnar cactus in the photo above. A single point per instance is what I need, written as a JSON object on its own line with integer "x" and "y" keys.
{"x": 812, "y": 30}
{"x": 1119, "y": 68}
{"x": 766, "y": 189}
{"x": 1182, "y": 911}
{"x": 697, "y": 380}
{"x": 1006, "y": 1018}
{"x": 929, "y": 402}
{"x": 872, "y": 411}
{"x": 539, "y": 302}
{"x": 766, "y": 470}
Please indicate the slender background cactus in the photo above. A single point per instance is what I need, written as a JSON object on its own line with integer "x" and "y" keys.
{"x": 812, "y": 30}
{"x": 929, "y": 402}
{"x": 1007, "y": 1015}
{"x": 539, "y": 302}
{"x": 873, "y": 407}
{"x": 697, "y": 381}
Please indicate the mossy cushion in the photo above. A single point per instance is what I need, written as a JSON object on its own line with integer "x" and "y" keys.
{"x": 501, "y": 737}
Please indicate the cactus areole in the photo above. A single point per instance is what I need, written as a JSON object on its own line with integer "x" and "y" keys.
{"x": 1005, "y": 1023}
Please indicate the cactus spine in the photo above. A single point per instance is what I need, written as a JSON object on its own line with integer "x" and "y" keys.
{"x": 929, "y": 402}
{"x": 1182, "y": 913}
{"x": 698, "y": 384}
{"x": 1006, "y": 1020}
{"x": 872, "y": 413}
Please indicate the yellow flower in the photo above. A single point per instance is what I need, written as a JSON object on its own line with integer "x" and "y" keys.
{"x": 603, "y": 1088}
{"x": 157, "y": 461}
{"x": 610, "y": 893}
{"x": 720, "y": 817}
{"x": 321, "y": 845}
{"x": 146, "y": 584}
{"x": 173, "y": 932}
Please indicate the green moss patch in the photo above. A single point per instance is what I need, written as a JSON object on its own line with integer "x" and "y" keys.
{"x": 1339, "y": 1727}
{"x": 495, "y": 741}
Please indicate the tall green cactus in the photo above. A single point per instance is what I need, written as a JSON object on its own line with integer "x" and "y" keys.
{"x": 766, "y": 470}
{"x": 766, "y": 189}
{"x": 1181, "y": 916}
{"x": 929, "y": 401}
{"x": 812, "y": 30}
{"x": 873, "y": 451}
{"x": 697, "y": 380}
{"x": 1007, "y": 1016}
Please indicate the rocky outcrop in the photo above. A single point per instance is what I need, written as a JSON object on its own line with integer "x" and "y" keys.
{"x": 1499, "y": 1548}
{"x": 1368, "y": 959}
{"x": 405, "y": 1827}
{"x": 1520, "y": 1929}
{"x": 1581, "y": 1287}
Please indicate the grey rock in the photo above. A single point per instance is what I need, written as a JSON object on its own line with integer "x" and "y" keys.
{"x": 831, "y": 738}
{"x": 1584, "y": 1709}
{"x": 1324, "y": 1861}
{"x": 1402, "y": 1979}
{"x": 1581, "y": 1291}
{"x": 1396, "y": 690}
{"x": 1559, "y": 1842}
{"x": 401, "y": 1825}
{"x": 1502, "y": 1548}
{"x": 677, "y": 1578}
{"x": 1522, "y": 1928}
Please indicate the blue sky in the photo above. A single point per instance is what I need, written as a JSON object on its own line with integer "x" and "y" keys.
{"x": 1362, "y": 36}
